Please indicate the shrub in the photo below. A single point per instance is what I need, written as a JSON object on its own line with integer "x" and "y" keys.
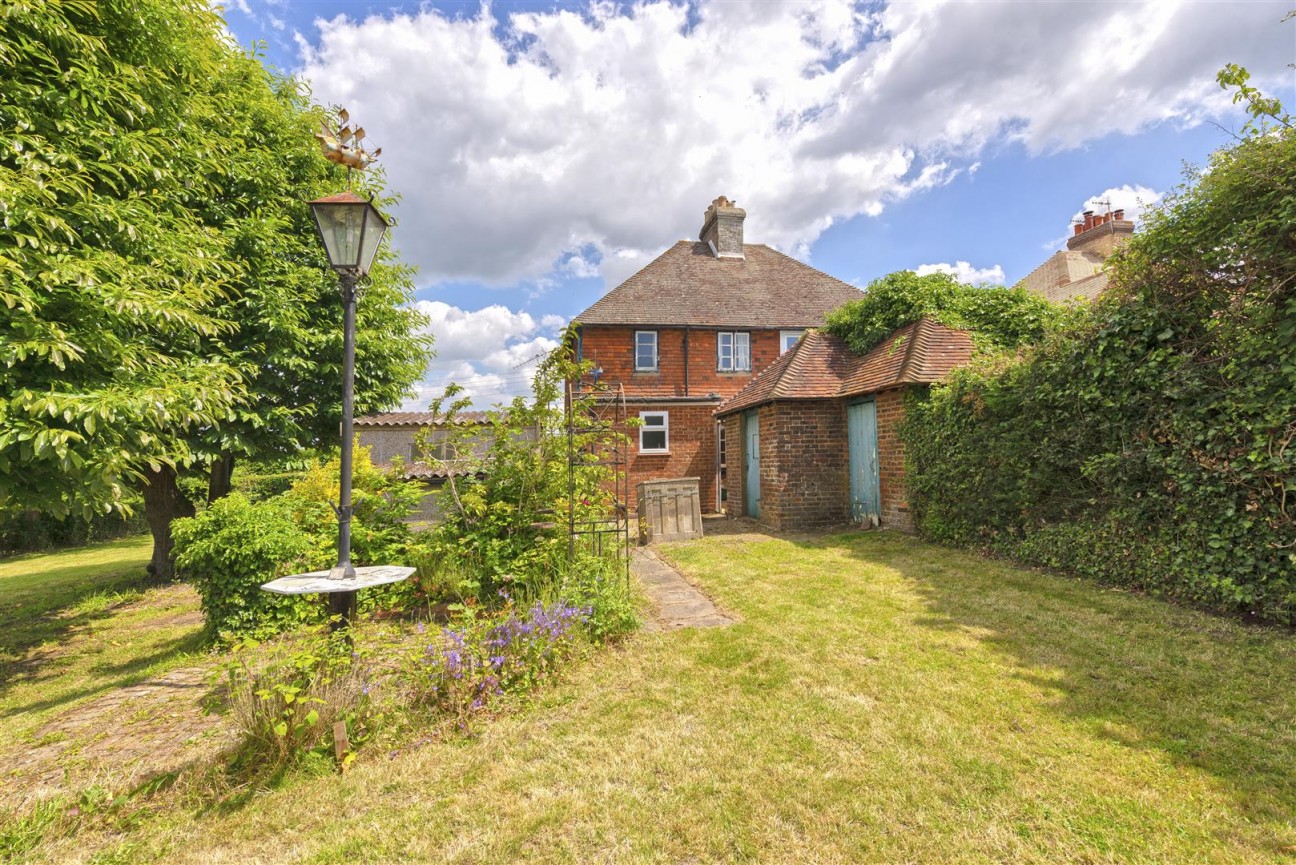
{"x": 1002, "y": 318}
{"x": 26, "y": 531}
{"x": 232, "y": 548}
{"x": 380, "y": 503}
{"x": 505, "y": 510}
{"x": 1153, "y": 442}
{"x": 599, "y": 584}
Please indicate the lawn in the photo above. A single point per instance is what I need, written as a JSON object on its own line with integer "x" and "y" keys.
{"x": 880, "y": 700}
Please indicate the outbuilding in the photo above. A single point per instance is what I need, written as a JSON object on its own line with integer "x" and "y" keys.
{"x": 812, "y": 440}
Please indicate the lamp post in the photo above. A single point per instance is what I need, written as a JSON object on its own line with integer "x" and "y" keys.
{"x": 351, "y": 229}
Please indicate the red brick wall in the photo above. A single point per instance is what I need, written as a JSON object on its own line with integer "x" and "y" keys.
{"x": 612, "y": 348}
{"x": 805, "y": 480}
{"x": 895, "y": 506}
{"x": 692, "y": 426}
{"x": 692, "y": 442}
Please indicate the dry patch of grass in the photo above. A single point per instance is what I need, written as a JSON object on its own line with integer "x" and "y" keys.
{"x": 104, "y": 674}
{"x": 882, "y": 700}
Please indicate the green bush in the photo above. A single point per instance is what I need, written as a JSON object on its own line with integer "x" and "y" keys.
{"x": 232, "y": 548}
{"x": 998, "y": 318}
{"x": 504, "y": 525}
{"x": 380, "y": 503}
{"x": 265, "y": 485}
{"x": 1151, "y": 443}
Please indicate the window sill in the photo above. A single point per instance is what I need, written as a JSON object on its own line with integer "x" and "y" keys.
{"x": 643, "y": 453}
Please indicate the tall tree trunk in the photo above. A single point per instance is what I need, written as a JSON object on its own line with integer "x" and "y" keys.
{"x": 163, "y": 502}
{"x": 222, "y": 475}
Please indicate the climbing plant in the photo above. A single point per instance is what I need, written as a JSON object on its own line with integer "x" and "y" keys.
{"x": 1002, "y": 318}
{"x": 1151, "y": 442}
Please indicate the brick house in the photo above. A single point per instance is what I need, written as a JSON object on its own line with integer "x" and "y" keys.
{"x": 693, "y": 328}
{"x": 814, "y": 435}
{"x": 1078, "y": 271}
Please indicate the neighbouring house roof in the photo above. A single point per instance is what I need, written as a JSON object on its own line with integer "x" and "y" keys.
{"x": 821, "y": 366}
{"x": 419, "y": 418}
{"x": 688, "y": 285}
{"x": 424, "y": 471}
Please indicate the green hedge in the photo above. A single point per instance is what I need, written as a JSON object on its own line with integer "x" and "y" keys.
{"x": 1153, "y": 443}
{"x": 234, "y": 546}
{"x": 33, "y": 531}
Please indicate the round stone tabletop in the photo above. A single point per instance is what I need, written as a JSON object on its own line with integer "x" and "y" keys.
{"x": 319, "y": 582}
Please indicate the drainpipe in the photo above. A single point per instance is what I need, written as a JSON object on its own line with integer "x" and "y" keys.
{"x": 686, "y": 361}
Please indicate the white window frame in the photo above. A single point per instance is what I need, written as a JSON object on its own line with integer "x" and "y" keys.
{"x": 733, "y": 351}
{"x": 655, "y": 356}
{"x": 785, "y": 335}
{"x": 664, "y": 426}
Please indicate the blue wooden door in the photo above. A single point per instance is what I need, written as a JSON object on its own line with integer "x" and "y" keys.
{"x": 751, "y": 457}
{"x": 862, "y": 443}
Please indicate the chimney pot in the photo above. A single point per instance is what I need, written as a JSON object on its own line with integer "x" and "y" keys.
{"x": 1088, "y": 219}
{"x": 1078, "y": 228}
{"x": 1118, "y": 214}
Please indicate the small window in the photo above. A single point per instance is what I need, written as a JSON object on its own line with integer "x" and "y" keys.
{"x": 789, "y": 338}
{"x": 733, "y": 352}
{"x": 437, "y": 450}
{"x": 645, "y": 350}
{"x": 654, "y": 432}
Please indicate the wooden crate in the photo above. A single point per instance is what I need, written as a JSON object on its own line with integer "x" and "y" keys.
{"x": 669, "y": 510}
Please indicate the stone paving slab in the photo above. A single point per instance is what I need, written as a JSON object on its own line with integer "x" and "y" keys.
{"x": 679, "y": 603}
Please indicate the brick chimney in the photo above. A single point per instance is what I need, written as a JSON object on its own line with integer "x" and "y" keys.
{"x": 722, "y": 228}
{"x": 1101, "y": 234}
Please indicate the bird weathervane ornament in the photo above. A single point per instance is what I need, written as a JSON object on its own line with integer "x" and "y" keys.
{"x": 344, "y": 146}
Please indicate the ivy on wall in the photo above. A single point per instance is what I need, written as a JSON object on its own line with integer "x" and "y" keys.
{"x": 1152, "y": 441}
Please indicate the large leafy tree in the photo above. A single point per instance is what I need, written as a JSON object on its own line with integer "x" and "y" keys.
{"x": 167, "y": 307}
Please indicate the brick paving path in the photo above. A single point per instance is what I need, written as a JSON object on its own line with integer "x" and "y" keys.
{"x": 679, "y": 603}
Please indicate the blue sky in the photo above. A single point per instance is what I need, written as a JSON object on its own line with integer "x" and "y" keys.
{"x": 546, "y": 151}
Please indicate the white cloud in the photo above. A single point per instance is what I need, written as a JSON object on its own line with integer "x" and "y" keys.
{"x": 491, "y": 352}
{"x": 601, "y": 134}
{"x": 965, "y": 272}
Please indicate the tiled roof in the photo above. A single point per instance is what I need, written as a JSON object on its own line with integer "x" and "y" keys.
{"x": 687, "y": 285}
{"x": 419, "y": 418}
{"x": 918, "y": 353}
{"x": 821, "y": 366}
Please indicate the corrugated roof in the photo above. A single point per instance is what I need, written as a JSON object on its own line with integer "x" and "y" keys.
{"x": 687, "y": 285}
{"x": 420, "y": 418}
{"x": 821, "y": 366}
{"x": 426, "y": 471}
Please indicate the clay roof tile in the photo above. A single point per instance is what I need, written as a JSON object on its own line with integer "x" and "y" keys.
{"x": 687, "y": 285}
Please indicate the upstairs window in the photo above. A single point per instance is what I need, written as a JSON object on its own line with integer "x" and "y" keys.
{"x": 789, "y": 338}
{"x": 733, "y": 352}
{"x": 645, "y": 350}
{"x": 654, "y": 432}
